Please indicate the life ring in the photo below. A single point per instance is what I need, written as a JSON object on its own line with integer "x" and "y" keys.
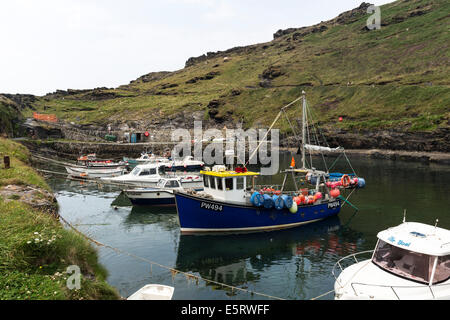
{"x": 345, "y": 180}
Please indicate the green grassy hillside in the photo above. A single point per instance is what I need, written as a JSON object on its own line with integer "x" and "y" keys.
{"x": 395, "y": 77}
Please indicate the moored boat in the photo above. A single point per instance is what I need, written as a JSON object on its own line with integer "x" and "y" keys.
{"x": 161, "y": 194}
{"x": 90, "y": 167}
{"x": 410, "y": 262}
{"x": 153, "y": 292}
{"x": 148, "y": 175}
{"x": 227, "y": 205}
{"x": 188, "y": 163}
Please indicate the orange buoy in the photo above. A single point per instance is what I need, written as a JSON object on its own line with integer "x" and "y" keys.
{"x": 277, "y": 192}
{"x": 311, "y": 199}
{"x": 293, "y": 162}
{"x": 345, "y": 180}
{"x": 335, "y": 193}
{"x": 318, "y": 196}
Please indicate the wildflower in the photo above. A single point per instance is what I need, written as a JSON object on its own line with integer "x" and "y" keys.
{"x": 28, "y": 242}
{"x": 36, "y": 233}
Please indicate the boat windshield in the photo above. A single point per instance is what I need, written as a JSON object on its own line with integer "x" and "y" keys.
{"x": 135, "y": 171}
{"x": 404, "y": 263}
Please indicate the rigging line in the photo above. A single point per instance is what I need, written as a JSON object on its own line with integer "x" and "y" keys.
{"x": 349, "y": 163}
{"x": 292, "y": 127}
{"x": 173, "y": 270}
{"x": 320, "y": 131}
{"x": 270, "y": 128}
{"x": 307, "y": 131}
{"x": 316, "y": 138}
{"x": 335, "y": 161}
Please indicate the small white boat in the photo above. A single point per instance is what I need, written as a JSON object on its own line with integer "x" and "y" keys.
{"x": 162, "y": 194}
{"x": 148, "y": 175}
{"x": 153, "y": 292}
{"x": 410, "y": 262}
{"x": 90, "y": 166}
{"x": 86, "y": 172}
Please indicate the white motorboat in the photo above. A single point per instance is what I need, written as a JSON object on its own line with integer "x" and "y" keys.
{"x": 146, "y": 158}
{"x": 186, "y": 164}
{"x": 153, "y": 292}
{"x": 162, "y": 194}
{"x": 410, "y": 262}
{"x": 148, "y": 175}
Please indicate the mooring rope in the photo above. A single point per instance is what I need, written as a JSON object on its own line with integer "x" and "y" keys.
{"x": 172, "y": 270}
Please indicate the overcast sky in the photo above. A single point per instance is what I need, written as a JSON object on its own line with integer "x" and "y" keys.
{"x": 60, "y": 44}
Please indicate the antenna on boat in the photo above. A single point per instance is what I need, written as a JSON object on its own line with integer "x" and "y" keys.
{"x": 404, "y": 215}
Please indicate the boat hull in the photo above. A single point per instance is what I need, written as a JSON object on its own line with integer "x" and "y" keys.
{"x": 95, "y": 172}
{"x": 150, "y": 197}
{"x": 197, "y": 214}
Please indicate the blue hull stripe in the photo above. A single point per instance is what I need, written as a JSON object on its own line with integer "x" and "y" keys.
{"x": 198, "y": 214}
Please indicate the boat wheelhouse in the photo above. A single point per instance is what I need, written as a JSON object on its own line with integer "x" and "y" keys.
{"x": 161, "y": 194}
{"x": 227, "y": 205}
{"x": 410, "y": 261}
{"x": 148, "y": 175}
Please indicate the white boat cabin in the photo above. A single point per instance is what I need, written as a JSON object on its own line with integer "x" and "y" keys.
{"x": 410, "y": 261}
{"x": 227, "y": 185}
{"x": 415, "y": 251}
{"x": 151, "y": 169}
{"x": 171, "y": 183}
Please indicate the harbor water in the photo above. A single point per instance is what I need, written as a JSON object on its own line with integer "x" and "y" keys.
{"x": 287, "y": 264}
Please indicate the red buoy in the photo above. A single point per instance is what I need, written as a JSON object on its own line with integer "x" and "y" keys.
{"x": 335, "y": 193}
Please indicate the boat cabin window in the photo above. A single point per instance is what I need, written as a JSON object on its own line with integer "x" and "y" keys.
{"x": 240, "y": 183}
{"x": 219, "y": 184}
{"x": 212, "y": 182}
{"x": 404, "y": 263}
{"x": 147, "y": 172}
{"x": 228, "y": 183}
{"x": 135, "y": 171}
{"x": 206, "y": 182}
{"x": 442, "y": 272}
{"x": 172, "y": 184}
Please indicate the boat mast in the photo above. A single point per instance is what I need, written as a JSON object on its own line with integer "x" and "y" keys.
{"x": 303, "y": 130}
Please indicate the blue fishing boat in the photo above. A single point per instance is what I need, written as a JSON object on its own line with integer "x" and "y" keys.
{"x": 231, "y": 202}
{"x": 227, "y": 205}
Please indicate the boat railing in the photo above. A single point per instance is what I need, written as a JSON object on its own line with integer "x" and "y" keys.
{"x": 273, "y": 186}
{"x": 352, "y": 256}
{"x": 397, "y": 289}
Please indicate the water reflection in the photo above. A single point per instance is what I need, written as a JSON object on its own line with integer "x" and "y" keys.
{"x": 236, "y": 259}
